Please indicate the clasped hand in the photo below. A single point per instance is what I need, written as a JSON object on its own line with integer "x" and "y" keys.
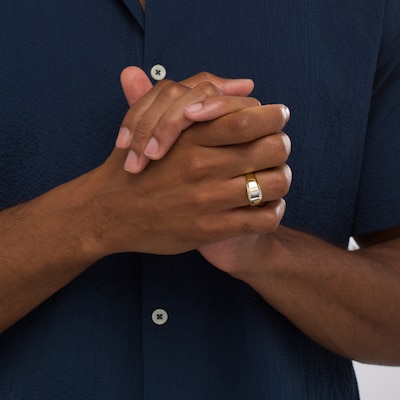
{"x": 202, "y": 135}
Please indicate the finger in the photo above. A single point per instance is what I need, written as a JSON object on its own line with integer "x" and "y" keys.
{"x": 142, "y": 124}
{"x": 241, "y": 127}
{"x": 231, "y": 194}
{"x": 135, "y": 84}
{"x": 262, "y": 154}
{"x": 243, "y": 221}
{"x": 136, "y": 112}
{"x": 174, "y": 121}
{"x": 136, "y": 133}
{"x": 258, "y": 220}
{"x": 232, "y": 161}
{"x": 139, "y": 122}
{"x": 274, "y": 184}
{"x": 125, "y": 134}
{"x": 230, "y": 87}
{"x": 214, "y": 107}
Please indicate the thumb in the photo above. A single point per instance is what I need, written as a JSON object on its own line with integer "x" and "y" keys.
{"x": 135, "y": 84}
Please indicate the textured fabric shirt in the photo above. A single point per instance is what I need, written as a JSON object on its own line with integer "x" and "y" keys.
{"x": 335, "y": 64}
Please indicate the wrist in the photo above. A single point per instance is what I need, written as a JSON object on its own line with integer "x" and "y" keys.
{"x": 70, "y": 216}
{"x": 269, "y": 260}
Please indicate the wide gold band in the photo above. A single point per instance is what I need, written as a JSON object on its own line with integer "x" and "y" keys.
{"x": 254, "y": 192}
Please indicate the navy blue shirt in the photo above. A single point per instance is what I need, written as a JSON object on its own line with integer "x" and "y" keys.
{"x": 335, "y": 64}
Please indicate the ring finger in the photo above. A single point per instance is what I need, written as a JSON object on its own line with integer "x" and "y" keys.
{"x": 274, "y": 184}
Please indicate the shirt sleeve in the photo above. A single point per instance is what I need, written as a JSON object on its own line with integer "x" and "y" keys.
{"x": 378, "y": 204}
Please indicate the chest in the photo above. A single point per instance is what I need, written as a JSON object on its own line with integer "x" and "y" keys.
{"x": 75, "y": 52}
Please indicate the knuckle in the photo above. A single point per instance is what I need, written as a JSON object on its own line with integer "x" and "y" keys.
{"x": 282, "y": 181}
{"x": 163, "y": 83}
{"x": 160, "y": 85}
{"x": 199, "y": 199}
{"x": 273, "y": 220}
{"x": 172, "y": 89}
{"x": 195, "y": 170}
{"x": 240, "y": 125}
{"x": 253, "y": 102}
{"x": 142, "y": 131}
{"x": 244, "y": 151}
{"x": 207, "y": 89}
{"x": 277, "y": 148}
{"x": 205, "y": 76}
{"x": 165, "y": 124}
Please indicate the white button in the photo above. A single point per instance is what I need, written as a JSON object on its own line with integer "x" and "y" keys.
{"x": 158, "y": 72}
{"x": 159, "y": 316}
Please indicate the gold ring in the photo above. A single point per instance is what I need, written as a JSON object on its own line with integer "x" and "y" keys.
{"x": 254, "y": 193}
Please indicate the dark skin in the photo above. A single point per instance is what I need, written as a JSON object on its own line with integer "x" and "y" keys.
{"x": 383, "y": 243}
{"x": 48, "y": 241}
{"x": 378, "y": 237}
{"x": 346, "y": 301}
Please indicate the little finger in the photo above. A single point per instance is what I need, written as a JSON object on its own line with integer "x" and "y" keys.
{"x": 246, "y": 221}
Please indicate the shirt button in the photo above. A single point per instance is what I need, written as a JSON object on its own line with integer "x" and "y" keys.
{"x": 158, "y": 72}
{"x": 159, "y": 316}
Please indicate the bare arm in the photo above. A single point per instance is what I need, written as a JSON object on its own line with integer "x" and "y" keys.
{"x": 48, "y": 241}
{"x": 349, "y": 302}
{"x": 44, "y": 244}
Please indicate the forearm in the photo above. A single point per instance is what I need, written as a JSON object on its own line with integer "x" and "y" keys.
{"x": 44, "y": 244}
{"x": 176, "y": 204}
{"x": 349, "y": 302}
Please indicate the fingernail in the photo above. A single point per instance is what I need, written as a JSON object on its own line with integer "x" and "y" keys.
{"x": 123, "y": 138}
{"x": 131, "y": 162}
{"x": 194, "y": 108}
{"x": 244, "y": 80}
{"x": 152, "y": 147}
{"x": 286, "y": 113}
